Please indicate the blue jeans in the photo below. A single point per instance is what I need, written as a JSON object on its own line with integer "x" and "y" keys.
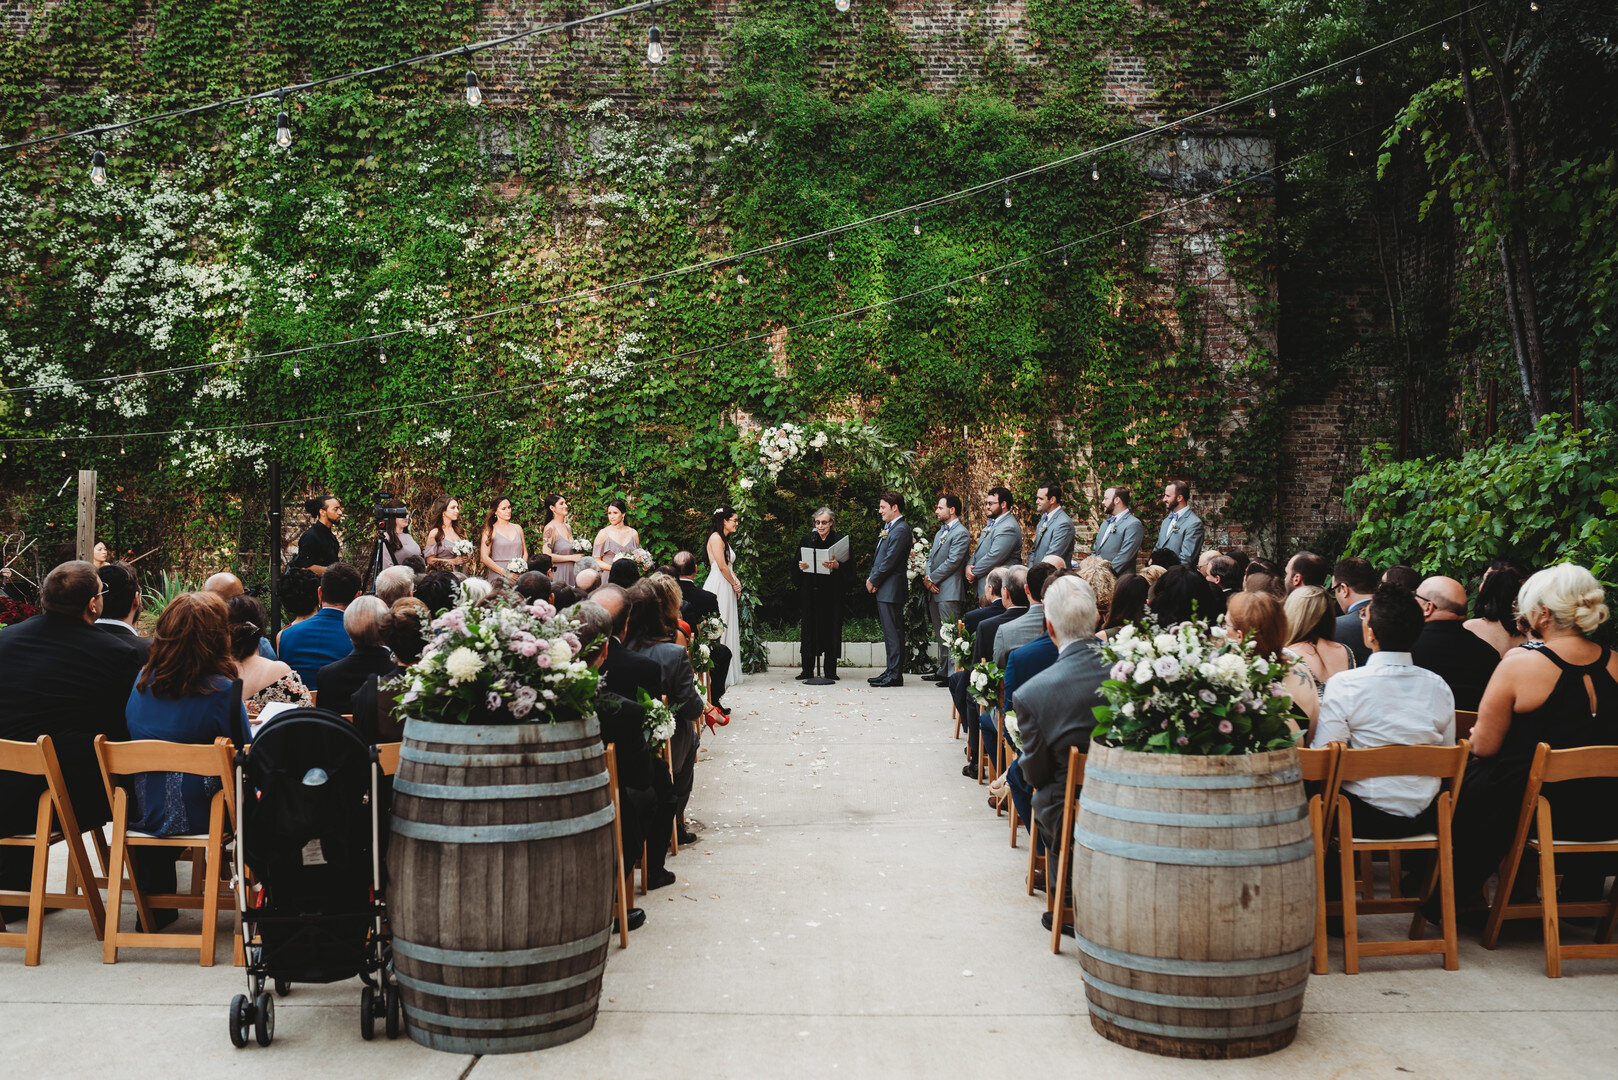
{"x": 1022, "y": 796}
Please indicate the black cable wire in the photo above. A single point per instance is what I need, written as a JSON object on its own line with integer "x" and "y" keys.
{"x": 688, "y": 353}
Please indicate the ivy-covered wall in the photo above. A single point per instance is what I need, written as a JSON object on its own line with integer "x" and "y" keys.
{"x": 1144, "y": 352}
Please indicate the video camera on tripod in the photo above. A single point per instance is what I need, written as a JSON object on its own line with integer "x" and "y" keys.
{"x": 388, "y": 509}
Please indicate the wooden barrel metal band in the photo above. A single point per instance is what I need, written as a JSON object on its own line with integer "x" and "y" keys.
{"x": 1181, "y": 1031}
{"x": 1279, "y": 778}
{"x": 1181, "y": 856}
{"x": 1195, "y": 1001}
{"x": 496, "y": 1026}
{"x": 1208, "y": 969}
{"x": 501, "y": 993}
{"x": 499, "y": 761}
{"x": 460, "y": 1044}
{"x": 502, "y": 834}
{"x": 1190, "y": 821}
{"x": 430, "y": 954}
{"x": 499, "y": 734}
{"x": 459, "y": 793}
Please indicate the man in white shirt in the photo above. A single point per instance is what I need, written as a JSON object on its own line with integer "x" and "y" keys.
{"x": 1389, "y": 702}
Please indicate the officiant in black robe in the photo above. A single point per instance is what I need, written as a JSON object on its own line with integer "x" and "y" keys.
{"x": 821, "y": 597}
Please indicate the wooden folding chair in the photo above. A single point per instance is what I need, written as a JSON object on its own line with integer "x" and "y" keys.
{"x": 955, "y": 714}
{"x": 54, "y": 821}
{"x": 621, "y": 900}
{"x": 1056, "y": 890}
{"x": 1534, "y": 832}
{"x": 1445, "y": 763}
{"x": 387, "y": 757}
{"x": 119, "y": 760}
{"x": 1320, "y": 767}
{"x": 1464, "y": 719}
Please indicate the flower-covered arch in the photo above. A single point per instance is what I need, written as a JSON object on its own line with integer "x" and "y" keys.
{"x": 760, "y": 458}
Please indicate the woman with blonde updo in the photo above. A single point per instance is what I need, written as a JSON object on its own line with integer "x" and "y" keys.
{"x": 1560, "y": 689}
{"x": 1310, "y": 629}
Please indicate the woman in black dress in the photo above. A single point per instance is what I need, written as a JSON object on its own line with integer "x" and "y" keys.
{"x": 317, "y": 547}
{"x": 821, "y": 596}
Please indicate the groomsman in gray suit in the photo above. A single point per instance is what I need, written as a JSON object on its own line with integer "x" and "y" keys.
{"x": 946, "y": 576}
{"x": 1054, "y": 533}
{"x": 1000, "y": 542}
{"x": 891, "y": 586}
{"x": 1118, "y": 539}
{"x": 1181, "y": 531}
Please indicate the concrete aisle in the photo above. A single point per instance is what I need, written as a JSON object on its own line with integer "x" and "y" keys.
{"x": 852, "y": 909}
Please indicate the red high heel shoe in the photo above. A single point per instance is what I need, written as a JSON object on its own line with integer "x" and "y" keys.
{"x": 714, "y": 717}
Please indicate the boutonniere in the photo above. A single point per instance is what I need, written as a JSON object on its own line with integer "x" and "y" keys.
{"x": 883, "y": 535}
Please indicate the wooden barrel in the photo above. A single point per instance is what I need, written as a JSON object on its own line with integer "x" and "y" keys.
{"x": 1194, "y": 900}
{"x": 500, "y": 883}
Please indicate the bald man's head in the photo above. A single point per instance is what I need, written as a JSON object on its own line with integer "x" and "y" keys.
{"x": 616, "y": 603}
{"x": 224, "y": 585}
{"x": 1442, "y": 598}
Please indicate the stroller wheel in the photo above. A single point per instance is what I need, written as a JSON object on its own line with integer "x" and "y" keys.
{"x": 367, "y": 1013}
{"x": 264, "y": 1019}
{"x": 391, "y": 993}
{"x": 240, "y": 1020}
{"x": 282, "y": 988}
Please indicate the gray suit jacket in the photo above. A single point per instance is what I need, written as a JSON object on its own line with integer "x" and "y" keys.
{"x": 999, "y": 544}
{"x": 1055, "y": 537}
{"x": 1119, "y": 542}
{"x": 946, "y": 563}
{"x": 1018, "y": 631}
{"x": 1349, "y": 633}
{"x": 1184, "y": 537}
{"x": 1055, "y": 710}
{"x": 888, "y": 568}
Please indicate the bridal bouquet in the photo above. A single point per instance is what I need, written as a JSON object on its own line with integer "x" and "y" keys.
{"x": 658, "y": 727}
{"x": 517, "y": 566}
{"x": 916, "y": 566}
{"x": 986, "y": 683}
{"x": 507, "y": 661}
{"x": 643, "y": 560}
{"x": 1191, "y": 690}
{"x": 463, "y": 547}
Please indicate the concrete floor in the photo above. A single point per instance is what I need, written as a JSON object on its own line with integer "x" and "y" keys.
{"x": 852, "y": 909}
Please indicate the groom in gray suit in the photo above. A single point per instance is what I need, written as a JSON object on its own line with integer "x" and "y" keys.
{"x": 1118, "y": 538}
{"x": 1181, "y": 531}
{"x": 1054, "y": 533}
{"x": 946, "y": 576}
{"x": 1000, "y": 542}
{"x": 890, "y": 585}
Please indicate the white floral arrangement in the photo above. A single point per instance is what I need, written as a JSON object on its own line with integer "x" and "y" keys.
{"x": 517, "y": 566}
{"x": 957, "y": 643}
{"x": 779, "y": 445}
{"x": 699, "y": 648}
{"x": 1013, "y": 732}
{"x": 986, "y": 683}
{"x": 1191, "y": 690}
{"x": 916, "y": 565}
{"x": 509, "y": 661}
{"x": 658, "y": 726}
{"x": 463, "y": 547}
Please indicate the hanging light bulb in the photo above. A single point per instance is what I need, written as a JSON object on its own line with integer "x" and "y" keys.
{"x": 831, "y": 255}
{"x": 1351, "y": 152}
{"x": 1359, "y": 80}
{"x": 1443, "y": 39}
{"x": 382, "y": 353}
{"x": 841, "y": 6}
{"x": 283, "y": 130}
{"x": 28, "y": 410}
{"x": 1006, "y": 278}
{"x": 1272, "y": 108}
{"x": 1064, "y": 256}
{"x": 1095, "y": 173}
{"x": 296, "y": 372}
{"x": 1008, "y": 196}
{"x": 1533, "y": 5}
{"x": 474, "y": 94}
{"x": 98, "y": 169}
{"x": 915, "y": 225}
{"x": 654, "y": 45}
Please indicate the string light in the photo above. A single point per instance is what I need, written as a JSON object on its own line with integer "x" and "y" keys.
{"x": 654, "y": 40}
{"x": 841, "y": 6}
{"x": 283, "y": 129}
{"x": 1008, "y": 196}
{"x": 297, "y": 373}
{"x": 1444, "y": 41}
{"x": 831, "y": 254}
{"x": 1359, "y": 80}
{"x": 98, "y": 169}
{"x": 382, "y": 354}
{"x": 1272, "y": 108}
{"x": 1095, "y": 172}
{"x": 1064, "y": 256}
{"x": 1533, "y": 5}
{"x": 474, "y": 94}
{"x": 915, "y": 225}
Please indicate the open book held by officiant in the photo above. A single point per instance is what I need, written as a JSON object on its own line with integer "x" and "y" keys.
{"x": 818, "y": 557}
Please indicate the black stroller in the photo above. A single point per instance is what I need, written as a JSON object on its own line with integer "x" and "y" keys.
{"x": 311, "y": 832}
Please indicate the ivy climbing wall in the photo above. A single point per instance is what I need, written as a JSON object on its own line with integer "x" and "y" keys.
{"x": 1115, "y": 329}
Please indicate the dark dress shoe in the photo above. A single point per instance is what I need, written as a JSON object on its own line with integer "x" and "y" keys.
{"x": 969, "y": 772}
{"x": 660, "y": 878}
{"x": 831, "y": 673}
{"x": 687, "y": 837}
{"x": 1067, "y": 927}
{"x": 804, "y": 675}
{"x": 1039, "y": 883}
{"x": 875, "y": 680}
{"x": 885, "y": 683}
{"x": 637, "y": 919}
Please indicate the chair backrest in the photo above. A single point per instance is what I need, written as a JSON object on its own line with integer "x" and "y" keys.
{"x": 26, "y": 758}
{"x": 1464, "y": 720}
{"x": 1075, "y": 767}
{"x": 1447, "y": 763}
{"x": 120, "y": 759}
{"x": 387, "y": 757}
{"x": 1575, "y": 763}
{"x": 1319, "y": 763}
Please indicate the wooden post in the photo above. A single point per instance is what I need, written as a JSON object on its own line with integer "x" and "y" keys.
{"x": 87, "y": 515}
{"x": 275, "y": 548}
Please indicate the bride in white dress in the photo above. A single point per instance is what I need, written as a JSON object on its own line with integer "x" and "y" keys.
{"x": 726, "y": 586}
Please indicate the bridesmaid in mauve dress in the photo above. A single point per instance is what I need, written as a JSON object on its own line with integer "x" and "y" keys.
{"x": 502, "y": 541}
{"x": 558, "y": 542}
{"x": 443, "y": 521}
{"x": 616, "y": 537}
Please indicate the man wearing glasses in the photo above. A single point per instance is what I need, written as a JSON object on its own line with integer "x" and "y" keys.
{"x": 1354, "y": 581}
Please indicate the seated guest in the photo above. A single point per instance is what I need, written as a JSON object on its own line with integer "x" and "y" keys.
{"x": 227, "y": 586}
{"x": 188, "y": 692}
{"x": 1560, "y": 689}
{"x": 1458, "y": 656}
{"x": 1152, "y": 573}
{"x": 644, "y": 785}
{"x": 625, "y": 673}
{"x": 69, "y": 680}
{"x": 1389, "y": 702}
{"x": 1014, "y": 602}
{"x": 1097, "y": 573}
{"x": 263, "y": 680}
{"x": 1225, "y": 576}
{"x": 474, "y": 591}
{"x": 653, "y": 623}
{"x": 1022, "y": 664}
{"x": 319, "y": 640}
{"x": 1030, "y": 624}
{"x": 1056, "y": 708}
{"x": 565, "y": 596}
{"x": 1260, "y": 618}
{"x": 588, "y": 580}
{"x": 366, "y": 622}
{"x": 407, "y": 634}
{"x": 1180, "y": 595}
{"x": 1353, "y": 582}
{"x": 533, "y": 586}
{"x": 542, "y": 563}
{"x": 300, "y": 598}
{"x": 696, "y": 603}
{"x": 1402, "y": 576}
{"x": 395, "y": 583}
{"x": 1495, "y": 607}
{"x": 1164, "y": 557}
{"x": 1305, "y": 568}
{"x": 417, "y": 565}
{"x": 1260, "y": 582}
{"x": 1242, "y": 559}
{"x": 120, "y": 606}
{"x": 1261, "y": 565}
{"x": 1311, "y": 635}
{"x": 959, "y": 689}
{"x": 624, "y": 573}
{"x": 1128, "y": 602}
{"x": 438, "y": 590}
